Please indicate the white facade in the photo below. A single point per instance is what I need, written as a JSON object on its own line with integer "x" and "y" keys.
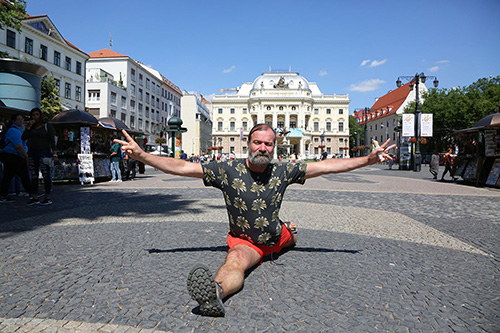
{"x": 41, "y": 43}
{"x": 196, "y": 118}
{"x": 284, "y": 100}
{"x": 138, "y": 90}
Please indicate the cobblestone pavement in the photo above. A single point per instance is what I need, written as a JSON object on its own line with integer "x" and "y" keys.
{"x": 379, "y": 250}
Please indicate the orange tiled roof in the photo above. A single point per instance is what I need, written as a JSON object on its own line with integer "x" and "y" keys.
{"x": 106, "y": 53}
{"x": 392, "y": 100}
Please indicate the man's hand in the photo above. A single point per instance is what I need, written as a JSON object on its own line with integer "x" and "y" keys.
{"x": 130, "y": 147}
{"x": 373, "y": 157}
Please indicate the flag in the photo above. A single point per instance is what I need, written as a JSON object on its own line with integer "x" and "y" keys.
{"x": 241, "y": 134}
{"x": 322, "y": 136}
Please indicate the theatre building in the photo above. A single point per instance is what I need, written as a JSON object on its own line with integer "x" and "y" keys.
{"x": 309, "y": 120}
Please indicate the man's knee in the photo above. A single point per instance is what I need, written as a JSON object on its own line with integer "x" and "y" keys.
{"x": 242, "y": 257}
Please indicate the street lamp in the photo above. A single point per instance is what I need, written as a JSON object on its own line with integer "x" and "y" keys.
{"x": 414, "y": 81}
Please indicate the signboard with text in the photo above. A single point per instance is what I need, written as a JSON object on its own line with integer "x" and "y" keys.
{"x": 426, "y": 124}
{"x": 408, "y": 125}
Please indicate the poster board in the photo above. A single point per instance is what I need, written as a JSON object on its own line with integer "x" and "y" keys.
{"x": 426, "y": 125}
{"x": 471, "y": 169}
{"x": 85, "y": 168}
{"x": 85, "y": 140}
{"x": 408, "y": 124}
{"x": 494, "y": 176}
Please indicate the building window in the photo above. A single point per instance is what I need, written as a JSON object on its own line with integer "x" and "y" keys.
{"x": 78, "y": 68}
{"x": 328, "y": 126}
{"x": 245, "y": 110}
{"x": 28, "y": 45}
{"x": 57, "y": 58}
{"x": 58, "y": 85}
{"x": 293, "y": 124}
{"x": 11, "y": 38}
{"x": 140, "y": 108}
{"x": 132, "y": 121}
{"x": 245, "y": 150}
{"x": 123, "y": 117}
{"x": 316, "y": 151}
{"x": 341, "y": 126}
{"x": 328, "y": 111}
{"x": 232, "y": 111}
{"x": 43, "y": 52}
{"x": 132, "y": 105}
{"x": 219, "y": 125}
{"x": 341, "y": 140}
{"x": 140, "y": 94}
{"x": 328, "y": 139}
{"x": 231, "y": 139}
{"x": 281, "y": 124}
{"x": 112, "y": 113}
{"x": 328, "y": 150}
{"x": 140, "y": 124}
{"x": 316, "y": 126}
{"x": 67, "y": 64}
{"x": 132, "y": 89}
{"x": 147, "y": 98}
{"x": 124, "y": 102}
{"x": 140, "y": 79}
{"x": 220, "y": 111}
{"x": 269, "y": 123}
{"x": 94, "y": 95}
{"x": 78, "y": 93}
{"x": 113, "y": 98}
{"x": 341, "y": 111}
{"x": 316, "y": 111}
{"x": 232, "y": 125}
{"x": 245, "y": 125}
{"x": 316, "y": 139}
{"x": 132, "y": 74}
{"x": 231, "y": 150}
{"x": 67, "y": 90}
{"x": 147, "y": 83}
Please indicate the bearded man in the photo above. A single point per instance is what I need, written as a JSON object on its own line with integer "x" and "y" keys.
{"x": 253, "y": 191}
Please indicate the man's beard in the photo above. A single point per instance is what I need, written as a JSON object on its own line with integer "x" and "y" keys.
{"x": 259, "y": 159}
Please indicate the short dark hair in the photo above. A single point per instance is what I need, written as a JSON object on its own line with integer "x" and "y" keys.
{"x": 36, "y": 110}
{"x": 15, "y": 115}
{"x": 260, "y": 127}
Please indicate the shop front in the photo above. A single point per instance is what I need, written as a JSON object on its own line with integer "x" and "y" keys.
{"x": 478, "y": 161}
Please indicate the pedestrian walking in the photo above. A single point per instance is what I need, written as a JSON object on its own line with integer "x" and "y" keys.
{"x": 434, "y": 165}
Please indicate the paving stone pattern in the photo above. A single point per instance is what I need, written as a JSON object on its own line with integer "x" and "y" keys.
{"x": 115, "y": 259}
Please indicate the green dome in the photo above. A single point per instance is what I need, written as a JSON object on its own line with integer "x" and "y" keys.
{"x": 175, "y": 121}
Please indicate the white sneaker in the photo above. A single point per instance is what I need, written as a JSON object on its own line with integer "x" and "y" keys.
{"x": 112, "y": 181}
{"x": 118, "y": 180}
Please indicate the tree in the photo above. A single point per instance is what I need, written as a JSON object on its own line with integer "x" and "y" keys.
{"x": 11, "y": 14}
{"x": 353, "y": 129}
{"x": 50, "y": 103}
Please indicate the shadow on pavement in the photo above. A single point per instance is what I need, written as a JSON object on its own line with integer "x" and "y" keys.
{"x": 89, "y": 206}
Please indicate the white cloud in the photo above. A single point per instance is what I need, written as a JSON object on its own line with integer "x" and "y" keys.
{"x": 442, "y": 62}
{"x": 368, "y": 85}
{"x": 230, "y": 69}
{"x": 433, "y": 69}
{"x": 365, "y": 62}
{"x": 376, "y": 63}
{"x": 323, "y": 72}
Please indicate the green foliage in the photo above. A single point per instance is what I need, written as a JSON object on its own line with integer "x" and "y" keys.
{"x": 458, "y": 108}
{"x": 50, "y": 103}
{"x": 11, "y": 14}
{"x": 353, "y": 128}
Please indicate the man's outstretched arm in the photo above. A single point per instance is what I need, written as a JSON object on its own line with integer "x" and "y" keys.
{"x": 170, "y": 165}
{"x": 338, "y": 165}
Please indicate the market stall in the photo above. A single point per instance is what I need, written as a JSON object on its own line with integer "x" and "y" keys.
{"x": 478, "y": 160}
{"x": 83, "y": 145}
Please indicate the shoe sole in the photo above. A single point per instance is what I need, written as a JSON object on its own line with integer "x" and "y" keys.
{"x": 45, "y": 204}
{"x": 202, "y": 289}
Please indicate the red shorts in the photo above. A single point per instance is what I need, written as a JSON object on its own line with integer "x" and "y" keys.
{"x": 286, "y": 237}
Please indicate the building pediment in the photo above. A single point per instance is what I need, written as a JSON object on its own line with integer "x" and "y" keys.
{"x": 45, "y": 26}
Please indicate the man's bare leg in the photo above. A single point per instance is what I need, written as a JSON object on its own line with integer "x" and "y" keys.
{"x": 231, "y": 274}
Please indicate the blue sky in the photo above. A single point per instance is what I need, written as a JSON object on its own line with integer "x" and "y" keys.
{"x": 348, "y": 47}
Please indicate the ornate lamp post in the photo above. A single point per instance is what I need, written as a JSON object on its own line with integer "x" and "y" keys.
{"x": 366, "y": 111}
{"x": 414, "y": 81}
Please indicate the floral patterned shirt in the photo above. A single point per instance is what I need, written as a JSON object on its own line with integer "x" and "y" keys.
{"x": 253, "y": 200}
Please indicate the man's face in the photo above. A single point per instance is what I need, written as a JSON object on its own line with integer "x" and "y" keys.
{"x": 261, "y": 148}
